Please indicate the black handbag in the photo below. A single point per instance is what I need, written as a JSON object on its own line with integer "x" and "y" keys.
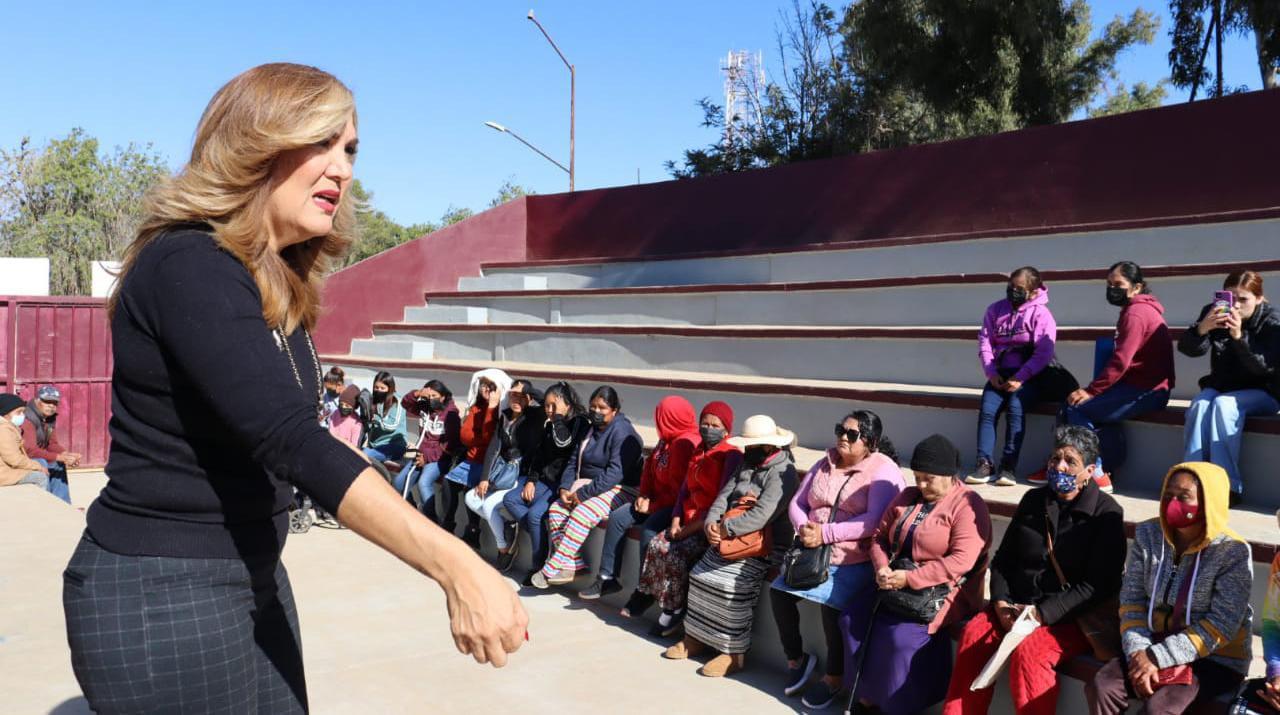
{"x": 806, "y": 567}
{"x": 914, "y": 605}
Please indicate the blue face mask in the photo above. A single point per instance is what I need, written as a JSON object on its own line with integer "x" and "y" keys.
{"x": 1061, "y": 482}
{"x": 19, "y": 420}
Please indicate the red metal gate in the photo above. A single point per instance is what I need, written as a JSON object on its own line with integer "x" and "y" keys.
{"x": 65, "y": 342}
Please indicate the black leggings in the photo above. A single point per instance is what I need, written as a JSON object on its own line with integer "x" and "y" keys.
{"x": 786, "y": 613}
{"x": 450, "y": 497}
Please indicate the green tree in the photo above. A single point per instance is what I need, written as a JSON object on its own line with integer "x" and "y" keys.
{"x": 1140, "y": 96}
{"x": 508, "y": 191}
{"x": 73, "y": 203}
{"x": 377, "y": 232}
{"x": 1192, "y": 35}
{"x": 893, "y": 73}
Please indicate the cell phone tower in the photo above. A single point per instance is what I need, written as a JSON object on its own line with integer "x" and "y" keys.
{"x": 743, "y": 85}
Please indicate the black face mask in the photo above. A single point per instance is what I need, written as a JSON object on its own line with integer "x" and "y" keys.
{"x": 1117, "y": 296}
{"x": 557, "y": 419}
{"x": 755, "y": 456}
{"x": 344, "y": 411}
{"x": 379, "y": 396}
{"x": 711, "y": 436}
{"x": 330, "y": 392}
{"x": 435, "y": 405}
{"x": 597, "y": 419}
{"x": 1016, "y": 296}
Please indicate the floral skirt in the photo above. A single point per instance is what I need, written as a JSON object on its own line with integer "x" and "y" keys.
{"x": 665, "y": 575}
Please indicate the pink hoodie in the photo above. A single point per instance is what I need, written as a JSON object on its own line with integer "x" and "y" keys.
{"x": 873, "y": 484}
{"x": 1008, "y": 335}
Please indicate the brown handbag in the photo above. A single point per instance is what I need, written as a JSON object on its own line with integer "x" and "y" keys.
{"x": 744, "y": 546}
{"x": 1100, "y": 624}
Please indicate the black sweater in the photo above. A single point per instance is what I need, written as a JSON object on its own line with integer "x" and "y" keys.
{"x": 1244, "y": 364}
{"x": 559, "y": 442}
{"x": 209, "y": 426}
{"x": 1088, "y": 541}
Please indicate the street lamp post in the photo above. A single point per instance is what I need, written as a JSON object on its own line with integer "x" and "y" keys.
{"x": 573, "y": 82}
{"x": 498, "y": 127}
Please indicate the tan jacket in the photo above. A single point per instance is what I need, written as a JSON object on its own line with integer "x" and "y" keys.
{"x": 14, "y": 462}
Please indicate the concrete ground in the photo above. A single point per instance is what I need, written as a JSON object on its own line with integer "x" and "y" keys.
{"x": 375, "y": 636}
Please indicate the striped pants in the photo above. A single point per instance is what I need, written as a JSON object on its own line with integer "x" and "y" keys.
{"x": 569, "y": 529}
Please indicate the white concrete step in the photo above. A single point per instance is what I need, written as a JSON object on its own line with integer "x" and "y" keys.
{"x": 811, "y": 407}
{"x": 393, "y": 348}
{"x": 435, "y": 313}
{"x": 959, "y": 301}
{"x": 918, "y": 356}
{"x": 1241, "y": 241}
{"x": 503, "y": 282}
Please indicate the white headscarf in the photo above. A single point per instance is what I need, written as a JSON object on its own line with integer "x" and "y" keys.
{"x": 500, "y": 380}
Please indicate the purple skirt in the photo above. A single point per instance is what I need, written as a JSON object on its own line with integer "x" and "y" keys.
{"x": 905, "y": 670}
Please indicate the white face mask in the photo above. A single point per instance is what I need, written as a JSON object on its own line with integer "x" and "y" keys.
{"x": 19, "y": 420}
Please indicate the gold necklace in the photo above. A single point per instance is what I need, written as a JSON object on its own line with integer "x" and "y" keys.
{"x": 315, "y": 359}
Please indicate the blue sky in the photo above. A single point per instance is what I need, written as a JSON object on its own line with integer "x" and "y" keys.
{"x": 426, "y": 76}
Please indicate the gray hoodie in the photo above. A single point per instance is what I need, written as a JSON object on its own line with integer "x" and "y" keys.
{"x": 773, "y": 484}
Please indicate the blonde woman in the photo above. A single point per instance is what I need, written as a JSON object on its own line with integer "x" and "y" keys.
{"x": 175, "y": 598}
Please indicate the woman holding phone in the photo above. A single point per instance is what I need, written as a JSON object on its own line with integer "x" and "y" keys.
{"x": 1241, "y": 332}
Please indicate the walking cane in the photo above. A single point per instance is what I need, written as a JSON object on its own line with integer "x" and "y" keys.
{"x": 862, "y": 656}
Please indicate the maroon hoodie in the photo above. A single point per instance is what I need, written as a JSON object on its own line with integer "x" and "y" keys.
{"x": 1143, "y": 357}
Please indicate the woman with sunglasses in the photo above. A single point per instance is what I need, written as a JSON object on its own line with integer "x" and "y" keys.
{"x": 840, "y": 502}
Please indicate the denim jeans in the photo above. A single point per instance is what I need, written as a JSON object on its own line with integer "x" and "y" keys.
{"x": 389, "y": 453}
{"x": 615, "y": 536}
{"x": 1015, "y": 406}
{"x": 1214, "y": 429}
{"x": 531, "y": 515}
{"x": 502, "y": 477}
{"x": 57, "y": 484}
{"x": 1104, "y": 413}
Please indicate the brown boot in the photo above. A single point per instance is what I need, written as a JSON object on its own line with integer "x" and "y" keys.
{"x": 686, "y": 648}
{"x": 723, "y": 664}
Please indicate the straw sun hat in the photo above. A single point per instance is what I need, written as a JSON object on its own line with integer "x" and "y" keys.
{"x": 761, "y": 429}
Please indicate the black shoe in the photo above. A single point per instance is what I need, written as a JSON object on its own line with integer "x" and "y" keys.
{"x": 819, "y": 696}
{"x": 600, "y": 587}
{"x": 637, "y": 604}
{"x": 471, "y": 537}
{"x": 982, "y": 474}
{"x": 798, "y": 677}
{"x": 527, "y": 581}
{"x": 674, "y": 625}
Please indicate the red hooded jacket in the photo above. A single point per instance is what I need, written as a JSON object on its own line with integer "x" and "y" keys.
{"x": 665, "y": 469}
{"x": 1143, "y": 357}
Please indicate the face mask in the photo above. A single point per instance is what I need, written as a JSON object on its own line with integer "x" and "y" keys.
{"x": 435, "y": 405}
{"x": 711, "y": 436}
{"x": 379, "y": 396}
{"x": 1016, "y": 296}
{"x": 19, "y": 420}
{"x": 330, "y": 392}
{"x": 1062, "y": 483}
{"x": 597, "y": 419}
{"x": 1178, "y": 514}
{"x": 1117, "y": 296}
{"x": 557, "y": 419}
{"x": 754, "y": 456}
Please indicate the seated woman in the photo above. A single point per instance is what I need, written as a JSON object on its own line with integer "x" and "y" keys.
{"x": 1082, "y": 528}
{"x": 1138, "y": 377}
{"x": 1015, "y": 345}
{"x": 386, "y": 441}
{"x": 1243, "y": 342}
{"x": 664, "y": 573}
{"x": 343, "y": 422}
{"x": 1185, "y": 617}
{"x": 564, "y": 428}
{"x": 334, "y": 382}
{"x": 519, "y": 433}
{"x": 723, "y": 593}
{"x": 600, "y": 477}
{"x": 15, "y": 466}
{"x": 664, "y": 472}
{"x": 486, "y": 398}
{"x": 943, "y": 529}
{"x": 840, "y": 502}
{"x": 439, "y": 433}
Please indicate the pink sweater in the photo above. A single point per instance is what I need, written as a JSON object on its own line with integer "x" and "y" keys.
{"x": 346, "y": 428}
{"x": 948, "y": 543}
{"x": 872, "y": 485}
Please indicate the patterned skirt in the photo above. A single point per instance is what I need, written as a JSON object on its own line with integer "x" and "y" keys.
{"x": 722, "y": 601}
{"x": 665, "y": 575}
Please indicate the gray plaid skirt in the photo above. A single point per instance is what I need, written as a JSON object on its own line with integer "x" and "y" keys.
{"x": 189, "y": 635}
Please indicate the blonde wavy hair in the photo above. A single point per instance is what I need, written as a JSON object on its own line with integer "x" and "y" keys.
{"x": 248, "y": 124}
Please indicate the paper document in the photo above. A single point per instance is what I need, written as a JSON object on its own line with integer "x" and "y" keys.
{"x": 1021, "y": 628}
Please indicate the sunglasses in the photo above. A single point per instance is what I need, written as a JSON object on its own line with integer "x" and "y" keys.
{"x": 851, "y": 434}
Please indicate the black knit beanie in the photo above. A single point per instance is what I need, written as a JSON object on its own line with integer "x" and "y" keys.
{"x": 10, "y": 402}
{"x": 936, "y": 455}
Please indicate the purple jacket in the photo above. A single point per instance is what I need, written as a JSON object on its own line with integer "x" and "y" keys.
{"x": 1020, "y": 340}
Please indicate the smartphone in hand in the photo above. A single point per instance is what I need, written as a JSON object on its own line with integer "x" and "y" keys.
{"x": 1223, "y": 301}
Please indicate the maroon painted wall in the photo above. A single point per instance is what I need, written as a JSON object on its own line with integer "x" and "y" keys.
{"x": 379, "y": 288}
{"x": 65, "y": 342}
{"x": 1206, "y": 158}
